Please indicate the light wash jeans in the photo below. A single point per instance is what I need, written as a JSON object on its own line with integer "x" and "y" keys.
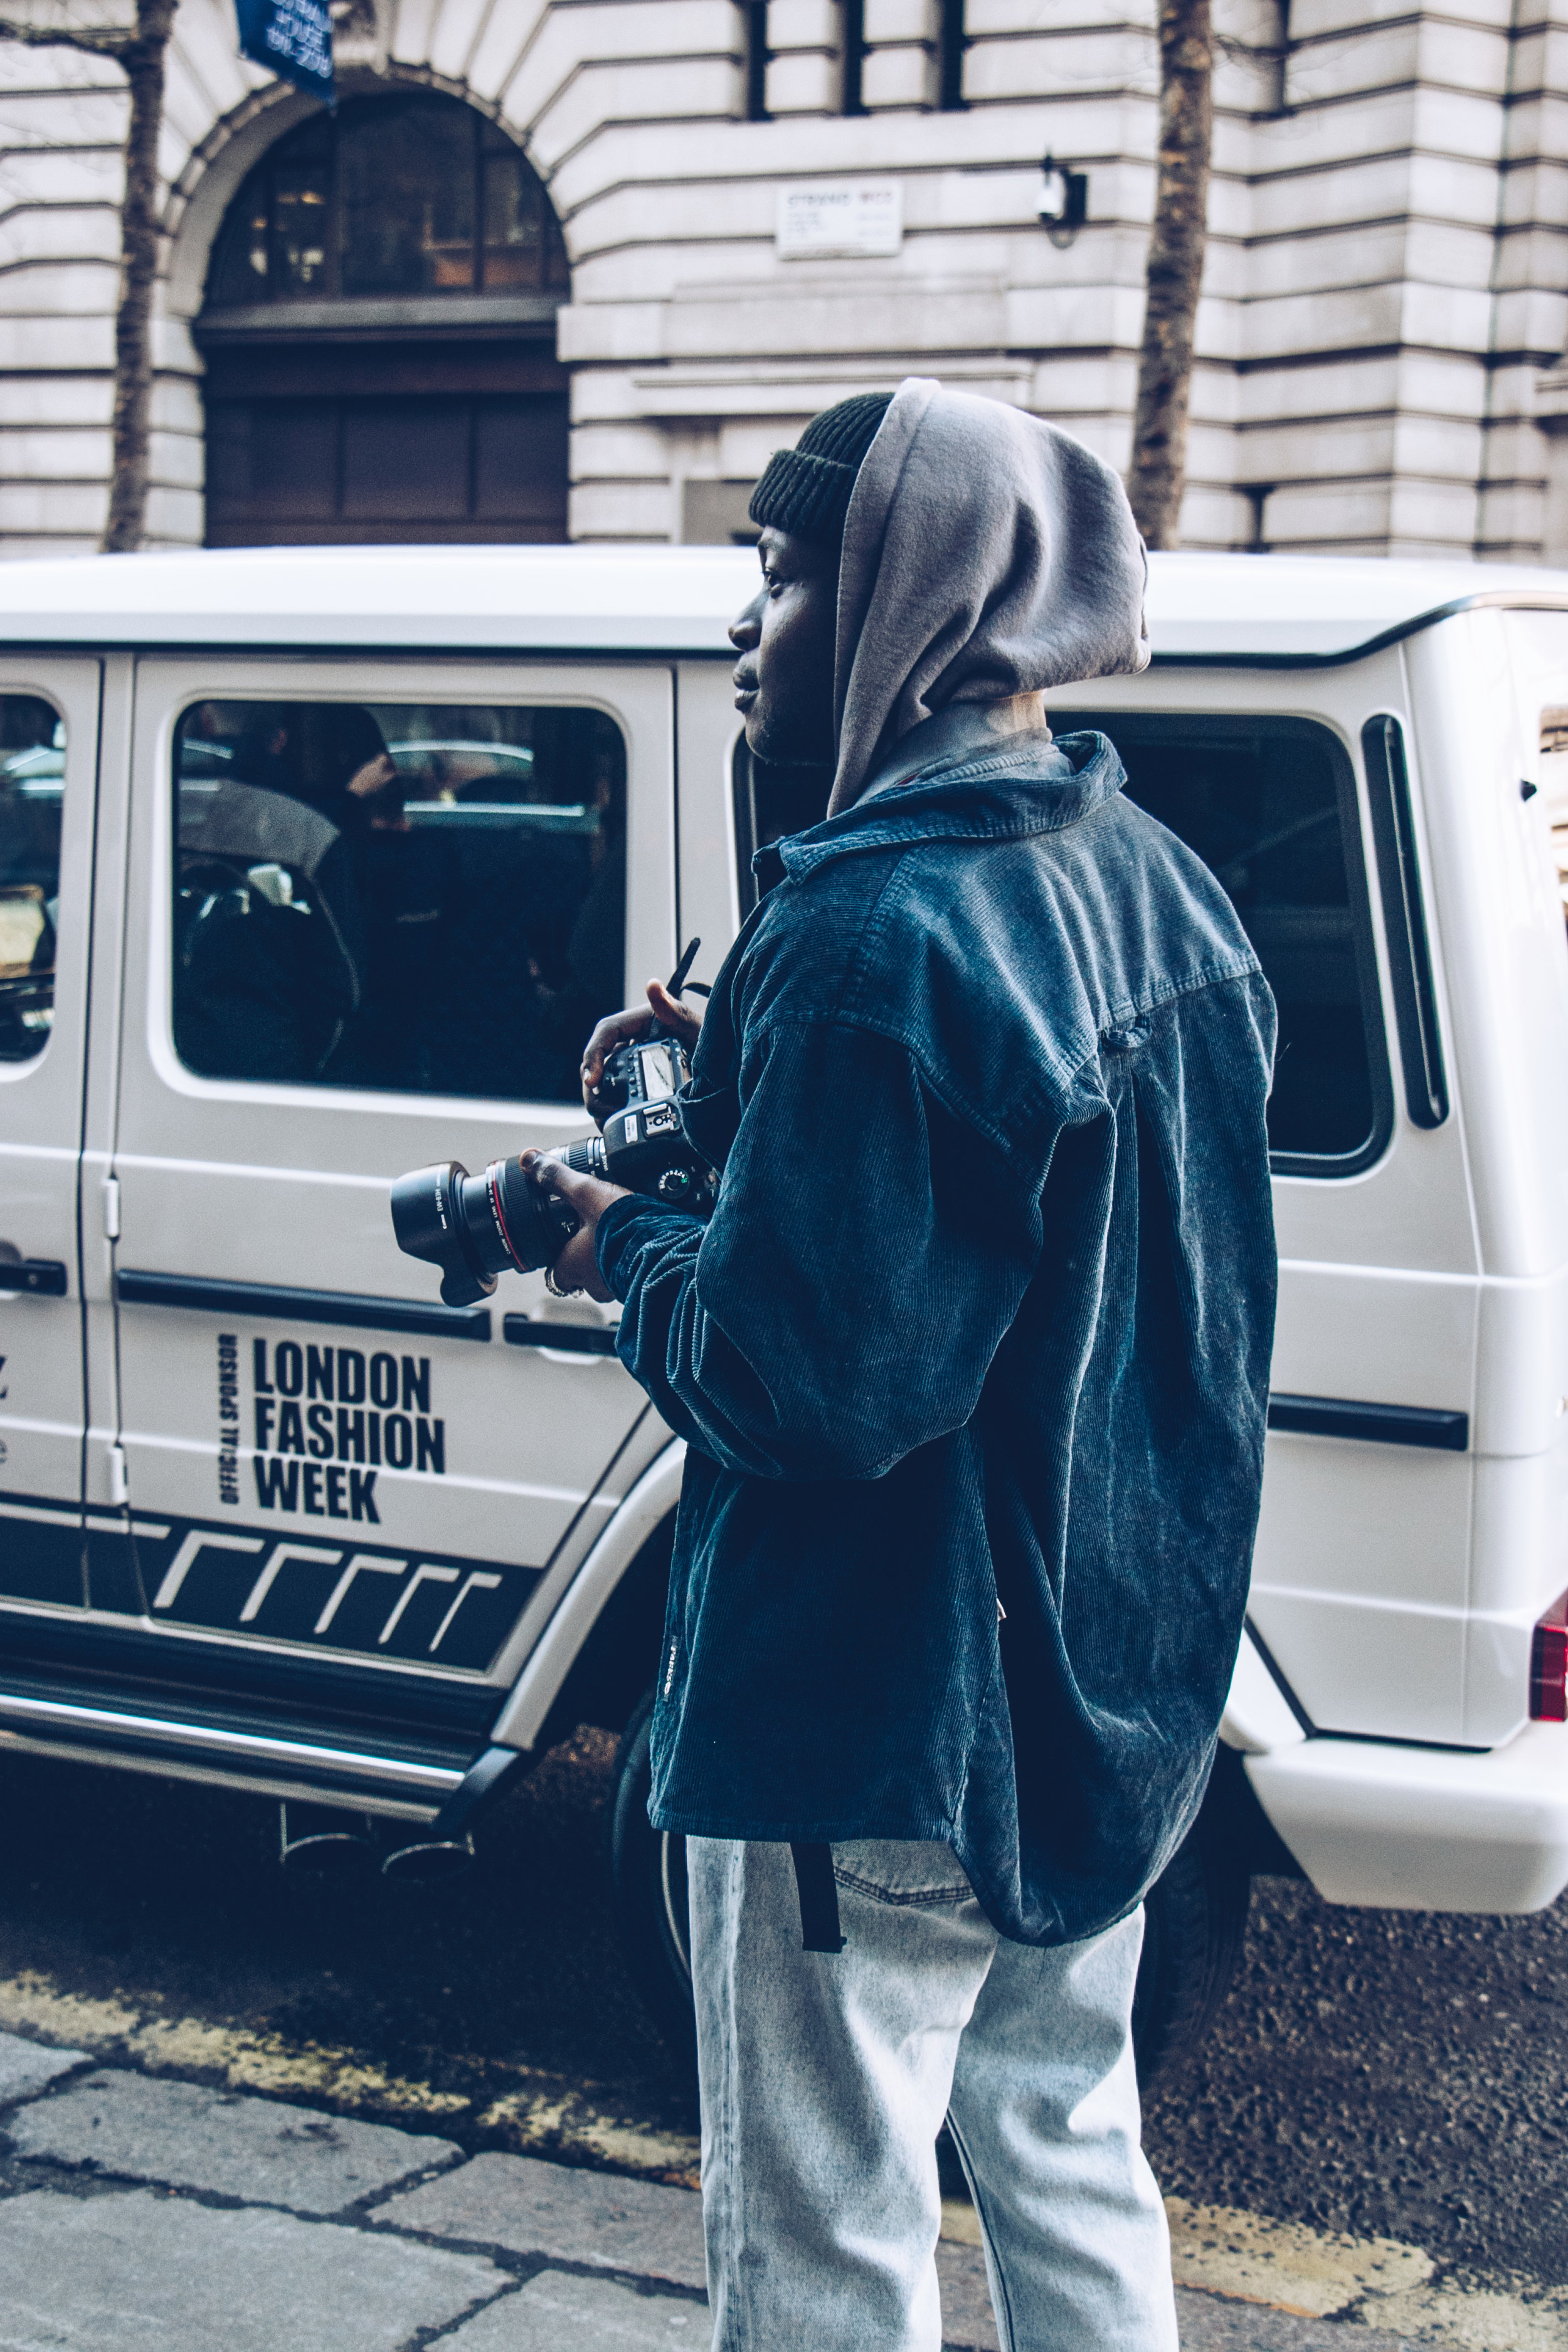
{"x": 825, "y": 2081}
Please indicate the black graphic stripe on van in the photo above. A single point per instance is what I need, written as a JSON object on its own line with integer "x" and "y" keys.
{"x": 346, "y": 1588}
{"x": 1383, "y": 1424}
{"x": 48, "y": 1548}
{"x": 343, "y": 1588}
{"x": 284, "y": 1305}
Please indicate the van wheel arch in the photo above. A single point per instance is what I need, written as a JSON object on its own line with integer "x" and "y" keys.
{"x": 606, "y": 1681}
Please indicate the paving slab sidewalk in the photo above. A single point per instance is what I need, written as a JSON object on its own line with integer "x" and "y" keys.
{"x": 493, "y": 2253}
{"x": 143, "y": 2273}
{"x": 261, "y": 2150}
{"x": 555, "y": 2310}
{"x": 530, "y": 2206}
{"x": 28, "y": 2067}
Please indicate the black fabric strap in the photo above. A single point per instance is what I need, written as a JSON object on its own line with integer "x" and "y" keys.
{"x": 818, "y": 1892}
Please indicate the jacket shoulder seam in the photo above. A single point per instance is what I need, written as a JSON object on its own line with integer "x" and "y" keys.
{"x": 1219, "y": 974}
{"x": 1006, "y": 1140}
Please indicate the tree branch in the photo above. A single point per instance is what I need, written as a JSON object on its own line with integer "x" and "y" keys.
{"x": 109, "y": 42}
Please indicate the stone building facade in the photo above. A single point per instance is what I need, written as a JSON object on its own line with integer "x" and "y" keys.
{"x": 1381, "y": 337}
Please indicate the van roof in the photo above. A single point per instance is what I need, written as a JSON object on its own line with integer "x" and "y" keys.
{"x": 1274, "y": 609}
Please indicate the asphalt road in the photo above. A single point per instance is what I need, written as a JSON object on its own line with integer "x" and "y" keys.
{"x": 1389, "y": 2074}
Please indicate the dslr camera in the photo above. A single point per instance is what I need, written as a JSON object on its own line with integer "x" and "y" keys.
{"x": 507, "y": 1218}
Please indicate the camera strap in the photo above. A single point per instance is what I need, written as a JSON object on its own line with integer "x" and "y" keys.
{"x": 818, "y": 1891}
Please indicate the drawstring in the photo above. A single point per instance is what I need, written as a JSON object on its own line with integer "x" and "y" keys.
{"x": 818, "y": 1892}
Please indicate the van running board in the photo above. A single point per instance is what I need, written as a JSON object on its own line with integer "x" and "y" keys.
{"x": 248, "y": 1760}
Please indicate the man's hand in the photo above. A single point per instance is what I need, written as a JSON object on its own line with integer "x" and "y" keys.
{"x": 577, "y": 1267}
{"x": 616, "y": 1028}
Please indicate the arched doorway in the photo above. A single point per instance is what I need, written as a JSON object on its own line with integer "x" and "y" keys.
{"x": 379, "y": 333}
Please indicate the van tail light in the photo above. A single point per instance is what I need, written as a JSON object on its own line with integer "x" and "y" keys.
{"x": 1548, "y": 1665}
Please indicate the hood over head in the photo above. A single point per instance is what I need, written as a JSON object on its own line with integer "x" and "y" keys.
{"x": 986, "y": 554}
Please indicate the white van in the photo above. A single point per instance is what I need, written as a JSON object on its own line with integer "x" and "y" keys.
{"x": 316, "y": 867}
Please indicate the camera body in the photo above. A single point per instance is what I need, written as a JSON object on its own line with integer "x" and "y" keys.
{"x": 643, "y": 1144}
{"x": 507, "y": 1218}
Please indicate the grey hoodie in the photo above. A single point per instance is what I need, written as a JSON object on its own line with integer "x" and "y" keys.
{"x": 987, "y": 553}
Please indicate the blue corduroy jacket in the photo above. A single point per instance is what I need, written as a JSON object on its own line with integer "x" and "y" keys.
{"x": 972, "y": 1356}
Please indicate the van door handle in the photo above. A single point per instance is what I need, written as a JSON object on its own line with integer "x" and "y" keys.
{"x": 46, "y": 1276}
{"x": 1382, "y": 1424}
{"x": 590, "y": 1339}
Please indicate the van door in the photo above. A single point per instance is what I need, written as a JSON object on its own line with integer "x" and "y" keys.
{"x": 380, "y": 908}
{"x": 48, "y": 751}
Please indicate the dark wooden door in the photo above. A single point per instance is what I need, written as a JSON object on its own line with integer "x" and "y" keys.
{"x": 332, "y": 445}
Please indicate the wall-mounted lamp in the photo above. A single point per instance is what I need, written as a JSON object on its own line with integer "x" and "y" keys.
{"x": 1064, "y": 201}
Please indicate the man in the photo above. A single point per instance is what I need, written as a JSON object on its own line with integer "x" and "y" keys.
{"x": 971, "y": 1360}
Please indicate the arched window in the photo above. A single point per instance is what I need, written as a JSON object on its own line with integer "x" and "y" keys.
{"x": 402, "y": 196}
{"x": 379, "y": 336}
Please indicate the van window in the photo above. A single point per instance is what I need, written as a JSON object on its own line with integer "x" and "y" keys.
{"x": 421, "y": 897}
{"x": 32, "y": 783}
{"x": 1270, "y": 806}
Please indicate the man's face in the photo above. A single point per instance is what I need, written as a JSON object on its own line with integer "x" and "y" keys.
{"x": 783, "y": 679}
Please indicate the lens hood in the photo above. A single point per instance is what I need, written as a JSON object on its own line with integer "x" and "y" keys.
{"x": 422, "y": 1206}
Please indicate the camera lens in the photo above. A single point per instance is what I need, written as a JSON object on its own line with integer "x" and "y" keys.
{"x": 532, "y": 1224}
{"x": 474, "y": 1227}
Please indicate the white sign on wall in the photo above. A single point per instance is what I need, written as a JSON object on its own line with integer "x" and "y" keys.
{"x": 828, "y": 220}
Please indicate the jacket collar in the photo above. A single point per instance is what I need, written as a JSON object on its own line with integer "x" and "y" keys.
{"x": 954, "y": 778}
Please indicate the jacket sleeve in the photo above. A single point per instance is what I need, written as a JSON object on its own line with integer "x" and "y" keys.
{"x": 867, "y": 1254}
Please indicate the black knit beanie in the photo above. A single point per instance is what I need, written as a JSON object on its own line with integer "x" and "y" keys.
{"x": 806, "y": 489}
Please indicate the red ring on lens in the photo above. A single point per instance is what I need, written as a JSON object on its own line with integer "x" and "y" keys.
{"x": 494, "y": 1191}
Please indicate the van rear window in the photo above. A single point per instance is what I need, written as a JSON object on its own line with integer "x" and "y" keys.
{"x": 428, "y": 899}
{"x": 1270, "y": 806}
{"x": 32, "y": 783}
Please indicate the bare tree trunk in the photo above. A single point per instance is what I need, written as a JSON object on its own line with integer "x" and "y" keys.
{"x": 143, "y": 61}
{"x": 141, "y": 51}
{"x": 1177, "y": 243}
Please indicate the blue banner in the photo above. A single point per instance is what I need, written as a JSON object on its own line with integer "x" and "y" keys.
{"x": 294, "y": 38}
